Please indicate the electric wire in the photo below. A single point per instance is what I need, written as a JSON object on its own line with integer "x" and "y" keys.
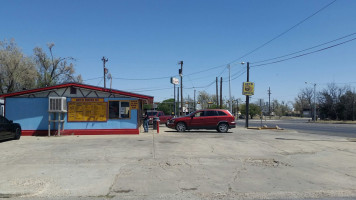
{"x": 92, "y": 78}
{"x": 300, "y": 55}
{"x": 100, "y": 81}
{"x": 281, "y": 34}
{"x": 303, "y": 49}
{"x": 223, "y": 65}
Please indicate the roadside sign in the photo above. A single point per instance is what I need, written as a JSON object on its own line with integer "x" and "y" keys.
{"x": 174, "y": 80}
{"x": 248, "y": 88}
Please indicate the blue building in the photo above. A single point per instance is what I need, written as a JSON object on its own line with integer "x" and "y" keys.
{"x": 75, "y": 109}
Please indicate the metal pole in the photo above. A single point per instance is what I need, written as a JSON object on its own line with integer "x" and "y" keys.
{"x": 174, "y": 102}
{"x": 237, "y": 109}
{"x": 230, "y": 88}
{"x": 314, "y": 103}
{"x": 178, "y": 102}
{"x": 181, "y": 85}
{"x": 194, "y": 102}
{"x": 217, "y": 93}
{"x": 59, "y": 124}
{"x": 269, "y": 102}
{"x": 49, "y": 124}
{"x": 221, "y": 102}
{"x": 247, "y": 96}
{"x": 261, "y": 111}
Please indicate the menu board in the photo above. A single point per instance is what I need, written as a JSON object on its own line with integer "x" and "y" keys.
{"x": 83, "y": 111}
{"x": 134, "y": 105}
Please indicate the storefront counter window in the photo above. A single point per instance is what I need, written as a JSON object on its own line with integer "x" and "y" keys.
{"x": 119, "y": 110}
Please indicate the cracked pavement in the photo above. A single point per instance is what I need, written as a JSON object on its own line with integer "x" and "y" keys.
{"x": 240, "y": 164}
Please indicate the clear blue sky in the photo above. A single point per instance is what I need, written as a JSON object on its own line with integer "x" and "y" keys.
{"x": 146, "y": 39}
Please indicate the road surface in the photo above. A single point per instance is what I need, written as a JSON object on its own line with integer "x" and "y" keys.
{"x": 302, "y": 125}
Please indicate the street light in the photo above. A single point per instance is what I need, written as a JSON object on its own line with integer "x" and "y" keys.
{"x": 314, "y": 118}
{"x": 230, "y": 103}
{"x": 247, "y": 96}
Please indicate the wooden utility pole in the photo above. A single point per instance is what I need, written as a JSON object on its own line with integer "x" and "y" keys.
{"x": 105, "y": 70}
{"x": 247, "y": 96}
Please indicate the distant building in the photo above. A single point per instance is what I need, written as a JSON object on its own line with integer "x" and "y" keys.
{"x": 75, "y": 109}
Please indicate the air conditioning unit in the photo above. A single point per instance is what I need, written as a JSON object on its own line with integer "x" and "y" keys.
{"x": 57, "y": 104}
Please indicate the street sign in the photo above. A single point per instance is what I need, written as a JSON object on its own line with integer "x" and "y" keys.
{"x": 174, "y": 80}
{"x": 248, "y": 88}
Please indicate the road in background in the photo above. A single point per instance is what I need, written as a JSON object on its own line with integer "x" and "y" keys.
{"x": 303, "y": 125}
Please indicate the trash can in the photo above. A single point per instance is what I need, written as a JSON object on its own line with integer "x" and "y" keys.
{"x": 155, "y": 120}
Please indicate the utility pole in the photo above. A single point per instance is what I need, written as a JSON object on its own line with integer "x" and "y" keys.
{"x": 105, "y": 70}
{"x": 269, "y": 102}
{"x": 261, "y": 111}
{"x": 217, "y": 92}
{"x": 194, "y": 102}
{"x": 230, "y": 100}
{"x": 247, "y": 96}
{"x": 221, "y": 103}
{"x": 314, "y": 103}
{"x": 181, "y": 84}
{"x": 178, "y": 102}
{"x": 353, "y": 106}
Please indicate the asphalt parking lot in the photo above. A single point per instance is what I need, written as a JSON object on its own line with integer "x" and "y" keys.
{"x": 240, "y": 164}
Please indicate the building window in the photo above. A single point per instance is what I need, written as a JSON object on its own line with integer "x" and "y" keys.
{"x": 73, "y": 90}
{"x": 119, "y": 110}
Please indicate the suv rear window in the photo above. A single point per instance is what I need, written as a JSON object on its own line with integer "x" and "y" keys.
{"x": 211, "y": 113}
{"x": 221, "y": 113}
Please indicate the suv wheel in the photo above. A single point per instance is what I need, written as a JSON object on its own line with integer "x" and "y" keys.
{"x": 223, "y": 127}
{"x": 181, "y": 127}
{"x": 17, "y": 134}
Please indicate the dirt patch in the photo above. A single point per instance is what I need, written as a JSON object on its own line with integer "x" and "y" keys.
{"x": 189, "y": 189}
{"x": 123, "y": 191}
{"x": 262, "y": 162}
{"x": 351, "y": 139}
{"x": 167, "y": 142}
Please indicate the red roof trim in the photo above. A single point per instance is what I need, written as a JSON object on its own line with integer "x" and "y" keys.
{"x": 149, "y": 98}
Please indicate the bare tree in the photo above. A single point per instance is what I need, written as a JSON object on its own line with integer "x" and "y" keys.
{"x": 331, "y": 106}
{"x": 304, "y": 100}
{"x": 53, "y": 70}
{"x": 17, "y": 71}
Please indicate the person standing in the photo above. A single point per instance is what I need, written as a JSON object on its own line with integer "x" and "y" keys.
{"x": 145, "y": 121}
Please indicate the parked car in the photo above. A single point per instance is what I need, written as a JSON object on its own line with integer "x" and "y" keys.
{"x": 160, "y": 114}
{"x": 9, "y": 130}
{"x": 218, "y": 119}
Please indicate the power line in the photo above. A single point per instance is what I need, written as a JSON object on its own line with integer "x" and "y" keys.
{"x": 239, "y": 75}
{"x": 143, "y": 79}
{"x": 259, "y": 47}
{"x": 303, "y": 49}
{"x": 323, "y": 49}
{"x": 92, "y": 78}
{"x": 100, "y": 81}
{"x": 224, "y": 65}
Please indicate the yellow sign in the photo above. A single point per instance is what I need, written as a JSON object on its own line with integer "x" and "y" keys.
{"x": 248, "y": 88}
{"x": 134, "y": 105}
{"x": 84, "y": 111}
{"x": 88, "y": 99}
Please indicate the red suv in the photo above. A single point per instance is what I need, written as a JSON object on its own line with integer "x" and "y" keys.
{"x": 218, "y": 119}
